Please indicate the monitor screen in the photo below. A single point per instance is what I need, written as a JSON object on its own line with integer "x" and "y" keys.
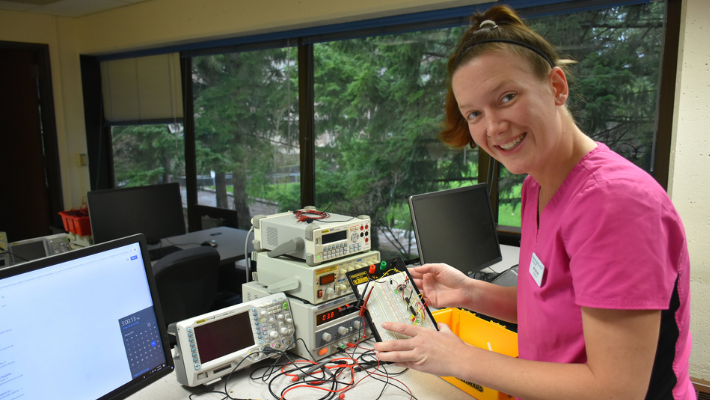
{"x": 456, "y": 227}
{"x": 82, "y": 325}
{"x": 155, "y": 211}
{"x": 28, "y": 250}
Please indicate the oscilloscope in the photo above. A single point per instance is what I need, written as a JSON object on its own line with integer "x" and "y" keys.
{"x": 212, "y": 345}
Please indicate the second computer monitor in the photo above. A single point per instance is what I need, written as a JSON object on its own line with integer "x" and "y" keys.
{"x": 155, "y": 211}
{"x": 456, "y": 227}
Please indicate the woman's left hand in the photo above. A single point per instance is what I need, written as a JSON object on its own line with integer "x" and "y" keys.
{"x": 427, "y": 350}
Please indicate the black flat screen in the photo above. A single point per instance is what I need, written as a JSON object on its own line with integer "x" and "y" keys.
{"x": 456, "y": 227}
{"x": 155, "y": 211}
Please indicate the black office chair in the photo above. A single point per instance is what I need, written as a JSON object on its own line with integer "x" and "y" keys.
{"x": 187, "y": 282}
{"x": 212, "y": 217}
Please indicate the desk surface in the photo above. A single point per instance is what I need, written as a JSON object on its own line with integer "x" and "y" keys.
{"x": 230, "y": 242}
{"x": 423, "y": 386}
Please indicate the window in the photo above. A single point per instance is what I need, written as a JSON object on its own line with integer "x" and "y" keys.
{"x": 378, "y": 110}
{"x": 614, "y": 83}
{"x": 378, "y": 96}
{"x": 148, "y": 155}
{"x": 246, "y": 131}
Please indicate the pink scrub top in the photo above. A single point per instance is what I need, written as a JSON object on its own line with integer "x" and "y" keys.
{"x": 609, "y": 238}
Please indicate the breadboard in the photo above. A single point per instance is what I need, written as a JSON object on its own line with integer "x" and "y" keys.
{"x": 389, "y": 294}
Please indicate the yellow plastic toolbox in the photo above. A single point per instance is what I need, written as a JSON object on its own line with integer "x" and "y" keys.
{"x": 480, "y": 333}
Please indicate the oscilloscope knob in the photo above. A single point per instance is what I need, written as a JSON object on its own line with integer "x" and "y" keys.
{"x": 273, "y": 334}
{"x": 342, "y": 331}
{"x": 326, "y": 337}
{"x": 284, "y": 331}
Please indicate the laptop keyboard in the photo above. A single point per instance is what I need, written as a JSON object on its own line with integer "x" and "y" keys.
{"x": 160, "y": 252}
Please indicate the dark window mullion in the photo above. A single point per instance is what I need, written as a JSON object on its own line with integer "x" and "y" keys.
{"x": 193, "y": 217}
{"x": 306, "y": 110}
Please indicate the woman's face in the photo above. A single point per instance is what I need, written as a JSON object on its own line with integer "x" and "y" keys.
{"x": 511, "y": 113}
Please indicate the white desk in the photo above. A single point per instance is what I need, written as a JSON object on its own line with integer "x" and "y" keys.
{"x": 423, "y": 387}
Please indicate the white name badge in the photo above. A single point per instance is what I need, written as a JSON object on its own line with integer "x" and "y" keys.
{"x": 537, "y": 270}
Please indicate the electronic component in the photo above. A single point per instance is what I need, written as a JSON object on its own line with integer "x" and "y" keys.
{"x": 456, "y": 227}
{"x": 316, "y": 238}
{"x": 323, "y": 328}
{"x": 212, "y": 345}
{"x": 4, "y": 252}
{"x": 386, "y": 293}
{"x": 36, "y": 248}
{"x": 313, "y": 284}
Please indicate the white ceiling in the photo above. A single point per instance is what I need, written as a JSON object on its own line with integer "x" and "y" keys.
{"x": 64, "y": 8}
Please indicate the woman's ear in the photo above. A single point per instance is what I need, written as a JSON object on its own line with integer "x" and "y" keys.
{"x": 560, "y": 88}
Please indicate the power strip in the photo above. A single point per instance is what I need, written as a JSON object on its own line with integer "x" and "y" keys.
{"x": 387, "y": 293}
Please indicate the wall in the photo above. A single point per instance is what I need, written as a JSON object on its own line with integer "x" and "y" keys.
{"x": 160, "y": 22}
{"x": 690, "y": 162}
{"x": 60, "y": 34}
{"x": 157, "y": 22}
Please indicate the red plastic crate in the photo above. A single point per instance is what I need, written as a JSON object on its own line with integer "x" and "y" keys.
{"x": 76, "y": 222}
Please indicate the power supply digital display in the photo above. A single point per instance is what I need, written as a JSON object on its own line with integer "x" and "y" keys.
{"x": 335, "y": 313}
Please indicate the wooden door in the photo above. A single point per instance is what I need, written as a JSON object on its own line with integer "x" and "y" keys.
{"x": 24, "y": 200}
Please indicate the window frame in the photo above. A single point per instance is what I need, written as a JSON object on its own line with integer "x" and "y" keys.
{"x": 374, "y": 27}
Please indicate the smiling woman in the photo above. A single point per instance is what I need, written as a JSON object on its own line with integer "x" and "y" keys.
{"x": 626, "y": 336}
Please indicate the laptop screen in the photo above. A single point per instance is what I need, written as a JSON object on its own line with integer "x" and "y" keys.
{"x": 83, "y": 324}
{"x": 456, "y": 227}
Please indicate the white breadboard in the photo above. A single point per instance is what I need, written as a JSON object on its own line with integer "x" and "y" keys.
{"x": 389, "y": 295}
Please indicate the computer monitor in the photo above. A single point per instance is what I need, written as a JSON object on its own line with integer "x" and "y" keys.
{"x": 82, "y": 325}
{"x": 456, "y": 227}
{"x": 155, "y": 211}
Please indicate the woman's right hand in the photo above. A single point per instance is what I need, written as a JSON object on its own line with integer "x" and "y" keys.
{"x": 441, "y": 285}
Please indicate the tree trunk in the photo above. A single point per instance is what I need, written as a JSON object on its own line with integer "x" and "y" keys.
{"x": 239, "y": 179}
{"x": 220, "y": 182}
